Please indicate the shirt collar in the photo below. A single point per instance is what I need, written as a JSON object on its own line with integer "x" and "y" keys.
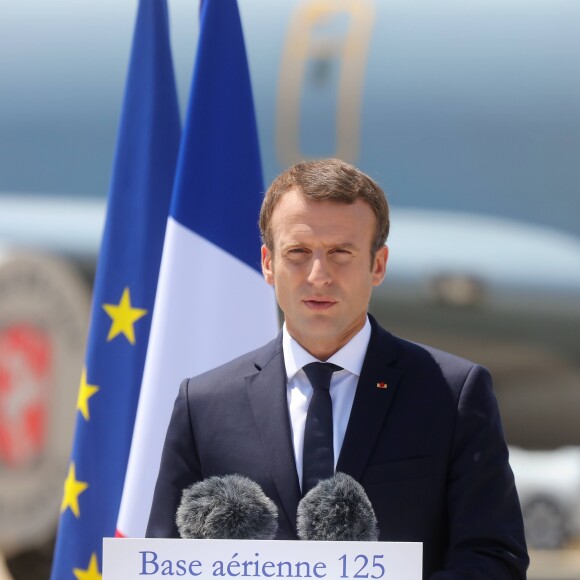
{"x": 350, "y": 356}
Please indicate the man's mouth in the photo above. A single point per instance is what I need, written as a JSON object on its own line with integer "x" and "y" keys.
{"x": 319, "y": 303}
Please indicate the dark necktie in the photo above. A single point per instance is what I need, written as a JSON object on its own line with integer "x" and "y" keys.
{"x": 318, "y": 454}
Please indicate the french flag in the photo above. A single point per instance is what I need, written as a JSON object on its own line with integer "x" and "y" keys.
{"x": 212, "y": 303}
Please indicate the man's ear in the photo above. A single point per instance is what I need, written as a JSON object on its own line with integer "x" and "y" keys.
{"x": 380, "y": 265}
{"x": 267, "y": 265}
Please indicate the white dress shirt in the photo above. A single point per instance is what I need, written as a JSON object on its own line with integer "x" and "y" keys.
{"x": 342, "y": 387}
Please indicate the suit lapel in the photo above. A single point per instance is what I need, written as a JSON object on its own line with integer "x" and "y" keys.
{"x": 376, "y": 388}
{"x": 267, "y": 393}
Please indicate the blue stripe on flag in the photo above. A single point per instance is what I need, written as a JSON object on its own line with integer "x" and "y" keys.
{"x": 219, "y": 183}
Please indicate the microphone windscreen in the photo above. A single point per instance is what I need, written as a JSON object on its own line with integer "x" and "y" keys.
{"x": 337, "y": 509}
{"x": 228, "y": 507}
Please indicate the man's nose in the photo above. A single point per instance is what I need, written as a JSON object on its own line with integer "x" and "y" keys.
{"x": 319, "y": 274}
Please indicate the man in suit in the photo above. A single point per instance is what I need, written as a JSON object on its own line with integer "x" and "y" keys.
{"x": 418, "y": 428}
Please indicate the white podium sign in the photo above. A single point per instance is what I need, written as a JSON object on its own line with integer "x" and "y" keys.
{"x": 141, "y": 559}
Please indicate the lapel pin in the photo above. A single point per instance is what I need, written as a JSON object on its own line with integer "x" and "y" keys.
{"x": 382, "y": 385}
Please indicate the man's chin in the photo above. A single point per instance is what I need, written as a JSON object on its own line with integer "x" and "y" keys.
{"x": 312, "y": 323}
{"x": 320, "y": 328}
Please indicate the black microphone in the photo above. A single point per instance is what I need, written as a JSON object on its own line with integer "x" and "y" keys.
{"x": 337, "y": 509}
{"x": 227, "y": 507}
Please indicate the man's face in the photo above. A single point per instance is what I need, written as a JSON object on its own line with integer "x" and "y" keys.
{"x": 321, "y": 269}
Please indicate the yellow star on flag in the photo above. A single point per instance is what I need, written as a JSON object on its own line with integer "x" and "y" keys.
{"x": 86, "y": 391}
{"x": 72, "y": 490}
{"x": 124, "y": 317}
{"x": 91, "y": 573}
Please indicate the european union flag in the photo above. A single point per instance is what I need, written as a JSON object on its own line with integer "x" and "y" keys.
{"x": 123, "y": 298}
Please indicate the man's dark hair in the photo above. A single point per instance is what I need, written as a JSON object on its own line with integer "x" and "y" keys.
{"x": 332, "y": 180}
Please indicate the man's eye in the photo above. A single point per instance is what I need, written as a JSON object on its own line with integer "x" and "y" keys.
{"x": 297, "y": 254}
{"x": 341, "y": 255}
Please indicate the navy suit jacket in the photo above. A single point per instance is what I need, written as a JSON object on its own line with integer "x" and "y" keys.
{"x": 429, "y": 451}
